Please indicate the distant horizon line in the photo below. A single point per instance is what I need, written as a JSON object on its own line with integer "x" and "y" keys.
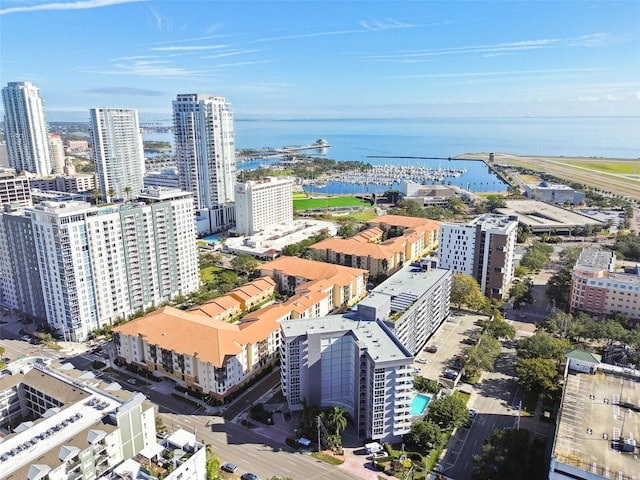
{"x": 258, "y": 118}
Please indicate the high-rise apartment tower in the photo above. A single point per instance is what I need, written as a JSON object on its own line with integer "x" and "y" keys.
{"x": 205, "y": 154}
{"x": 117, "y": 151}
{"x": 26, "y": 128}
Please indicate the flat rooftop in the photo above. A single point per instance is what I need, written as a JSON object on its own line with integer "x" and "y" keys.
{"x": 594, "y": 417}
{"x": 382, "y": 345}
{"x": 542, "y": 216}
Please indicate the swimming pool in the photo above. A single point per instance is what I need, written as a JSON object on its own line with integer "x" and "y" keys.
{"x": 419, "y": 403}
{"x": 213, "y": 238}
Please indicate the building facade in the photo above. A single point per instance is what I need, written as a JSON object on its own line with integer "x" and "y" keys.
{"x": 98, "y": 264}
{"x": 62, "y": 427}
{"x": 483, "y": 249}
{"x": 56, "y": 147}
{"x": 205, "y": 155}
{"x": 553, "y": 193}
{"x": 600, "y": 291}
{"x": 358, "y": 366}
{"x": 82, "y": 182}
{"x": 14, "y": 189}
{"x": 413, "y": 303}
{"x": 116, "y": 140}
{"x": 261, "y": 204}
{"x": 26, "y": 129}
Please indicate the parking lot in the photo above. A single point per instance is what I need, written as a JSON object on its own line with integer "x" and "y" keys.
{"x": 450, "y": 340}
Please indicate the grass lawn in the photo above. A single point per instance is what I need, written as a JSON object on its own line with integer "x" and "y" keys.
{"x": 624, "y": 168}
{"x": 532, "y": 179}
{"x": 206, "y": 274}
{"x": 365, "y": 216}
{"x": 306, "y": 204}
{"x": 299, "y": 195}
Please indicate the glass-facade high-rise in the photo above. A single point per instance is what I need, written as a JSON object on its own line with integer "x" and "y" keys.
{"x": 117, "y": 151}
{"x": 205, "y": 153}
{"x": 26, "y": 129}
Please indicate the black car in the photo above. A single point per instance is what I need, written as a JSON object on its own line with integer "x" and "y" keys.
{"x": 249, "y": 476}
{"x": 228, "y": 467}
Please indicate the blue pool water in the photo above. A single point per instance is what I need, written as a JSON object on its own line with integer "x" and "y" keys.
{"x": 419, "y": 404}
{"x": 213, "y": 238}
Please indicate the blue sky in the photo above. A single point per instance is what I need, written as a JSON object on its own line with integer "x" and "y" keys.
{"x": 328, "y": 59}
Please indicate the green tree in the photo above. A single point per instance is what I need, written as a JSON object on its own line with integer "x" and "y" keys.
{"x": 2, "y": 362}
{"x": 111, "y": 193}
{"x": 447, "y": 412}
{"x": 335, "y": 419}
{"x": 456, "y": 205}
{"x": 408, "y": 208}
{"x": 96, "y": 196}
{"x": 521, "y": 293}
{"x": 213, "y": 463}
{"x": 348, "y": 228}
{"x": 244, "y": 263}
{"x": 127, "y": 193}
{"x": 509, "y": 454}
{"x": 465, "y": 290}
{"x": 543, "y": 345}
{"x": 425, "y": 435}
{"x": 539, "y": 375}
{"x": 494, "y": 202}
{"x": 423, "y": 384}
{"x": 498, "y": 328}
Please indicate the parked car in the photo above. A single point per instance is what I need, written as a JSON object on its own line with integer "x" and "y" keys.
{"x": 249, "y": 476}
{"x": 431, "y": 349}
{"x": 472, "y": 413}
{"x": 450, "y": 374}
{"x": 382, "y": 454}
{"x": 421, "y": 360}
{"x": 228, "y": 467}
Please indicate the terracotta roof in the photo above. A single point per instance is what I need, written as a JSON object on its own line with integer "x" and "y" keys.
{"x": 187, "y": 333}
{"x": 369, "y": 234}
{"x": 354, "y": 247}
{"x": 258, "y": 325}
{"x": 216, "y": 306}
{"x": 303, "y": 301}
{"x": 309, "y": 269}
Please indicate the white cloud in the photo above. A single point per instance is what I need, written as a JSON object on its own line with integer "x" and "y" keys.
{"x": 192, "y": 48}
{"x": 80, "y": 5}
{"x": 230, "y": 53}
{"x": 389, "y": 24}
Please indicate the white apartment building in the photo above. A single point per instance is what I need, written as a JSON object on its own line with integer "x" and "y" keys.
{"x": 118, "y": 153}
{"x": 205, "y": 155}
{"x": 65, "y": 427}
{"x": 96, "y": 264}
{"x": 56, "y": 147}
{"x": 261, "y": 204}
{"x": 357, "y": 365}
{"x": 26, "y": 128}
{"x": 413, "y": 303}
{"x": 483, "y": 249}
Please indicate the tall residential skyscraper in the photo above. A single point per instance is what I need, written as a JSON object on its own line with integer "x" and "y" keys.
{"x": 263, "y": 203}
{"x": 26, "y": 128}
{"x": 117, "y": 150}
{"x": 96, "y": 264}
{"x": 205, "y": 154}
{"x": 57, "y": 153}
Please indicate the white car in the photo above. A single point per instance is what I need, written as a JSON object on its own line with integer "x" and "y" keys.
{"x": 472, "y": 413}
{"x": 420, "y": 360}
{"x": 382, "y": 454}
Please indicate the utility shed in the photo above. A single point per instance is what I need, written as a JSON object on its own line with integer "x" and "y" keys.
{"x": 582, "y": 361}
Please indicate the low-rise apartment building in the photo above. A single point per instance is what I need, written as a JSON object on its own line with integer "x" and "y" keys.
{"x": 345, "y": 285}
{"x": 408, "y": 239}
{"x": 356, "y": 365}
{"x": 600, "y": 291}
{"x": 200, "y": 352}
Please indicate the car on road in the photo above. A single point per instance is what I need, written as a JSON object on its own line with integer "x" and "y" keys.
{"x": 431, "y": 349}
{"x": 25, "y": 338}
{"x": 228, "y": 467}
{"x": 472, "y": 413}
{"x": 249, "y": 476}
{"x": 382, "y": 454}
{"x": 421, "y": 360}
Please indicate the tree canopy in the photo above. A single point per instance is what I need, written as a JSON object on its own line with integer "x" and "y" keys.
{"x": 447, "y": 412}
{"x": 543, "y": 345}
{"x": 508, "y": 454}
{"x": 539, "y": 375}
{"x": 425, "y": 435}
{"x": 466, "y": 291}
{"x": 244, "y": 263}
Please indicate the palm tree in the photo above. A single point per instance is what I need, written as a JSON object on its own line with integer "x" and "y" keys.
{"x": 337, "y": 419}
{"x": 96, "y": 195}
{"x": 127, "y": 193}
{"x": 112, "y": 193}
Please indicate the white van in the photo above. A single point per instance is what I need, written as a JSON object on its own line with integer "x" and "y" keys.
{"x": 373, "y": 447}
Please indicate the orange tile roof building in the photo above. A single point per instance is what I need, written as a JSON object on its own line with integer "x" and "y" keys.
{"x": 200, "y": 352}
{"x": 369, "y": 250}
{"x": 344, "y": 285}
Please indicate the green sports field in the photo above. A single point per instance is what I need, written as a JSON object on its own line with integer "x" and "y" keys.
{"x": 309, "y": 203}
